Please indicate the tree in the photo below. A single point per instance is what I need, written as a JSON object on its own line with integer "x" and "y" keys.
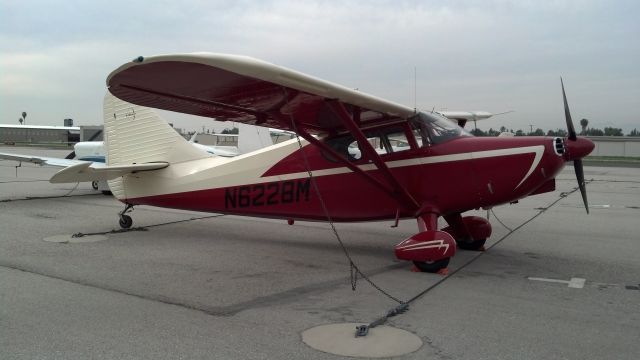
{"x": 611, "y": 131}
{"x": 594, "y": 132}
{"x": 230, "y": 131}
{"x": 634, "y": 132}
{"x": 584, "y": 123}
{"x": 538, "y": 132}
{"x": 23, "y": 119}
{"x": 557, "y": 132}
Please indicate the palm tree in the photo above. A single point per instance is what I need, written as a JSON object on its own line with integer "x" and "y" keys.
{"x": 584, "y": 123}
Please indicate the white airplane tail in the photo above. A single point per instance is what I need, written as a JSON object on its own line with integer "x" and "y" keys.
{"x": 252, "y": 138}
{"x": 136, "y": 135}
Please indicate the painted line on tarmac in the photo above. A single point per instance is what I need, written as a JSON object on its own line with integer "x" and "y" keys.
{"x": 575, "y": 283}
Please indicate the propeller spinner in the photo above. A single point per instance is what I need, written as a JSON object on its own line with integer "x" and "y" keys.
{"x": 577, "y": 148}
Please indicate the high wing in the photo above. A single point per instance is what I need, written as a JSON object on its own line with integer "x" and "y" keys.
{"x": 246, "y": 90}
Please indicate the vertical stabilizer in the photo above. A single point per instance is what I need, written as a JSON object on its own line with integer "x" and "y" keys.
{"x": 252, "y": 138}
{"x": 137, "y": 135}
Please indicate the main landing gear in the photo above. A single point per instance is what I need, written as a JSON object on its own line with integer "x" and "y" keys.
{"x": 433, "y": 267}
{"x": 125, "y": 220}
{"x": 470, "y": 232}
{"x": 431, "y": 249}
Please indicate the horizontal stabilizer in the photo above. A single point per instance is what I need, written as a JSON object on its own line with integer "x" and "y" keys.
{"x": 87, "y": 171}
{"x": 40, "y": 160}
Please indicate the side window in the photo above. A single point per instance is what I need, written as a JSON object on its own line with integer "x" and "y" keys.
{"x": 384, "y": 141}
{"x": 398, "y": 140}
{"x": 377, "y": 141}
{"x": 388, "y": 140}
{"x": 344, "y": 145}
{"x": 354, "y": 151}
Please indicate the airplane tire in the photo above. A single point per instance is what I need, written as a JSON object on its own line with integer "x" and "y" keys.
{"x": 474, "y": 245}
{"x": 432, "y": 266}
{"x": 125, "y": 221}
{"x": 106, "y": 192}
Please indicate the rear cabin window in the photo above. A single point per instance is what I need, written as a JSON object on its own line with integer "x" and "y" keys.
{"x": 384, "y": 141}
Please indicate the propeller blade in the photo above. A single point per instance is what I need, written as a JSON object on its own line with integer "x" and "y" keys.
{"x": 577, "y": 166}
{"x": 71, "y": 155}
{"x": 567, "y": 115}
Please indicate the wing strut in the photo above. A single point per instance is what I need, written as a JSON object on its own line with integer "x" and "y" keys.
{"x": 324, "y": 147}
{"x": 398, "y": 191}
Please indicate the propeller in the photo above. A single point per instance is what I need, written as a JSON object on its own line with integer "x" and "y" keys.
{"x": 577, "y": 162}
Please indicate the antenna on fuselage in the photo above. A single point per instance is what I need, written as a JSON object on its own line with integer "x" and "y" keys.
{"x": 415, "y": 91}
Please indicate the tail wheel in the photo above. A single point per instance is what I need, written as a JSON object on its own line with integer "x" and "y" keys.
{"x": 432, "y": 266}
{"x": 125, "y": 221}
{"x": 473, "y": 245}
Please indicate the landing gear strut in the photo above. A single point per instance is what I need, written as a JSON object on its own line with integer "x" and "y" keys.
{"x": 125, "y": 220}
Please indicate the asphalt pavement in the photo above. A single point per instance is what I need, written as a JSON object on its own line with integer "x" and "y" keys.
{"x": 188, "y": 285}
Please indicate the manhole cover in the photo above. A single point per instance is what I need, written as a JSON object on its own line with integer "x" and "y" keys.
{"x": 382, "y": 341}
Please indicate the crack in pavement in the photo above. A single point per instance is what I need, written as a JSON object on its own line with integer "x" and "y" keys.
{"x": 279, "y": 298}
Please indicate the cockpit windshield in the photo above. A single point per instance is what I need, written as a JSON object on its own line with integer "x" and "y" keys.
{"x": 433, "y": 128}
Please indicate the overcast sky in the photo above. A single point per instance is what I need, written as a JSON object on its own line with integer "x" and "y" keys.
{"x": 469, "y": 55}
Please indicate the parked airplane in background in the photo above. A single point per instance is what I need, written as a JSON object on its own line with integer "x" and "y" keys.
{"x": 249, "y": 138}
{"x": 443, "y": 172}
{"x": 462, "y": 117}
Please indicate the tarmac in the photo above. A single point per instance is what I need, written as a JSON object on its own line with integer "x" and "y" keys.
{"x": 554, "y": 283}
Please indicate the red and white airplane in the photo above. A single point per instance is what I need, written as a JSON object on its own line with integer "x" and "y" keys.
{"x": 362, "y": 158}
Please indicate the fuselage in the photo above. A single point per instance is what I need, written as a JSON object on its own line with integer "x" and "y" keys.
{"x": 454, "y": 176}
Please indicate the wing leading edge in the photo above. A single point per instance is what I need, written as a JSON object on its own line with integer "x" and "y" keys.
{"x": 246, "y": 90}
